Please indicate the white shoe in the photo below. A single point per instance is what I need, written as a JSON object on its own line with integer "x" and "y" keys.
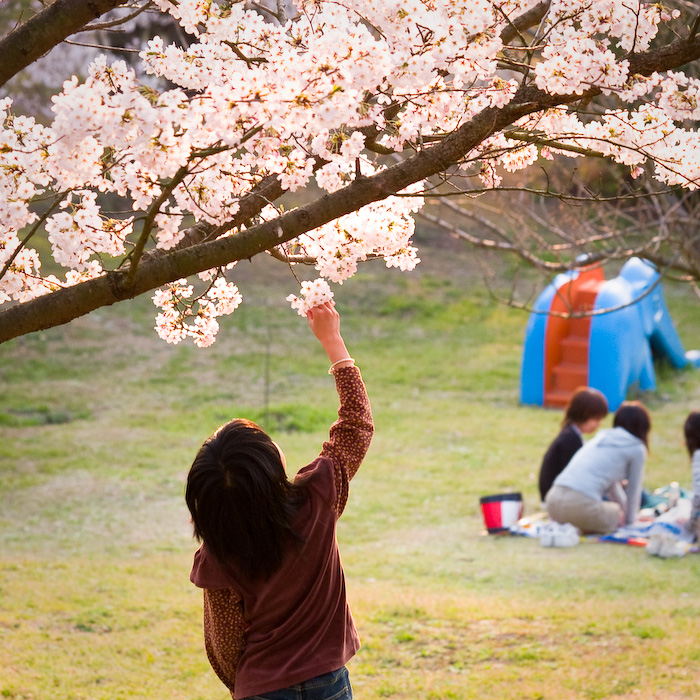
{"x": 672, "y": 548}
{"x": 654, "y": 544}
{"x": 555, "y": 534}
{"x": 547, "y": 534}
{"x": 666, "y": 546}
{"x": 566, "y": 536}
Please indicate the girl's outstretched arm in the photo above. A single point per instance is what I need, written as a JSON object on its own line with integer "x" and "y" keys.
{"x": 350, "y": 435}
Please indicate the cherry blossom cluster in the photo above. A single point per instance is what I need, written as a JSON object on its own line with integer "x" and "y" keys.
{"x": 378, "y": 230}
{"x": 185, "y": 315}
{"x": 298, "y": 100}
{"x": 679, "y": 96}
{"x": 628, "y": 137}
{"x": 581, "y": 38}
{"x": 312, "y": 294}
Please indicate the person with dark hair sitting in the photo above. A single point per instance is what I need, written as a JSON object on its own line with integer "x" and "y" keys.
{"x": 609, "y": 466}
{"x": 277, "y": 623}
{"x": 691, "y": 431}
{"x": 582, "y": 415}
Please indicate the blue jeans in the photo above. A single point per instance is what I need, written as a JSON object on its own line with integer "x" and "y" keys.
{"x": 328, "y": 686}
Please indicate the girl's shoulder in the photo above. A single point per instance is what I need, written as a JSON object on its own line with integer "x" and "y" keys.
{"x": 318, "y": 477}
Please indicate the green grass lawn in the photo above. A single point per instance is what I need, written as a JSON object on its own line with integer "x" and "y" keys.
{"x": 99, "y": 421}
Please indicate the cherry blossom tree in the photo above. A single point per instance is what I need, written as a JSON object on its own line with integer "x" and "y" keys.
{"x": 368, "y": 109}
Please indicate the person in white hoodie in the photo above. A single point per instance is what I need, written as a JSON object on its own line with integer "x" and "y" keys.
{"x": 691, "y": 429}
{"x": 601, "y": 487}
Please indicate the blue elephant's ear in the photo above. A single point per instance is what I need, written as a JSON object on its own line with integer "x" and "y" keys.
{"x": 641, "y": 276}
{"x": 638, "y": 271}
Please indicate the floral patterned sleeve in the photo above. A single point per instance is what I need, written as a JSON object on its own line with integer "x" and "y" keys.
{"x": 350, "y": 436}
{"x": 224, "y": 632}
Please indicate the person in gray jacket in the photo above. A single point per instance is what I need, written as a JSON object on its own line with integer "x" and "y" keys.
{"x": 601, "y": 487}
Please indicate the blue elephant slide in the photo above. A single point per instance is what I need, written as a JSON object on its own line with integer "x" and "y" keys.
{"x": 612, "y": 349}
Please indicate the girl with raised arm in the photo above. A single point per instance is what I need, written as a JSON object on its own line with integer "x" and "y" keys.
{"x": 277, "y": 624}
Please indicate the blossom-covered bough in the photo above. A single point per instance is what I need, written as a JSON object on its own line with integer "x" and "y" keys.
{"x": 357, "y": 101}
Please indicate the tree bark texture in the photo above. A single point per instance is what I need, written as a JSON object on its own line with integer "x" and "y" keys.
{"x": 37, "y": 36}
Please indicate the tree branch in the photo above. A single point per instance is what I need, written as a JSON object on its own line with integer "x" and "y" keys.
{"x": 544, "y": 140}
{"x": 101, "y": 26}
{"x": 154, "y": 210}
{"x": 39, "y": 223}
{"x": 694, "y": 28}
{"x": 66, "y": 304}
{"x": 528, "y": 19}
{"x": 37, "y": 36}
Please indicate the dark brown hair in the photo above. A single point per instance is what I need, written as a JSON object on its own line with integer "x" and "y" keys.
{"x": 635, "y": 419}
{"x": 586, "y": 403}
{"x": 240, "y": 499}
{"x": 691, "y": 429}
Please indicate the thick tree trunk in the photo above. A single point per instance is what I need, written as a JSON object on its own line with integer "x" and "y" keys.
{"x": 37, "y": 36}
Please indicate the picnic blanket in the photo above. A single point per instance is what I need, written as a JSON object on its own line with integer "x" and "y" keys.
{"x": 661, "y": 531}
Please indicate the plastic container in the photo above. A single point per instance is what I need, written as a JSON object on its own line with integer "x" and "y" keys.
{"x": 500, "y": 511}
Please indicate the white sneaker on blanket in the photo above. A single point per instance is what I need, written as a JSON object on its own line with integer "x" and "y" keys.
{"x": 654, "y": 544}
{"x": 547, "y": 534}
{"x": 555, "y": 534}
{"x": 665, "y": 545}
{"x": 567, "y": 536}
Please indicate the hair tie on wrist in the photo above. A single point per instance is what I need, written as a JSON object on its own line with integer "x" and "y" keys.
{"x": 337, "y": 362}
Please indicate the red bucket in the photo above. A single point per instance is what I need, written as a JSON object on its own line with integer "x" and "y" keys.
{"x": 501, "y": 510}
